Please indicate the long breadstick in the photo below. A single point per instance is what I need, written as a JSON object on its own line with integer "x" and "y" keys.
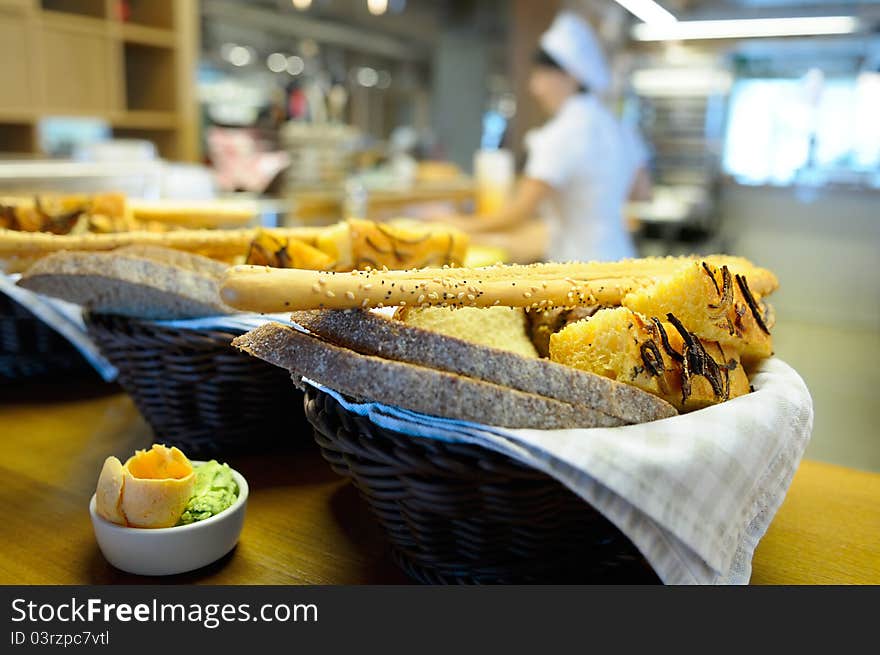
{"x": 195, "y": 215}
{"x": 212, "y": 243}
{"x": 262, "y": 289}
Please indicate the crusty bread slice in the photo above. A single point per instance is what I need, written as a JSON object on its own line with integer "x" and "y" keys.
{"x": 119, "y": 283}
{"x": 412, "y": 387}
{"x": 374, "y": 335}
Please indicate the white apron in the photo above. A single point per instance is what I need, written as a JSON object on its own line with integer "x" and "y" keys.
{"x": 582, "y": 153}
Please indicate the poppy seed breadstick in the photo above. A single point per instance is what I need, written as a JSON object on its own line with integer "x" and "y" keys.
{"x": 761, "y": 280}
{"x": 261, "y": 289}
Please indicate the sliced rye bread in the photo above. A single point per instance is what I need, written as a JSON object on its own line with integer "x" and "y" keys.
{"x": 411, "y": 387}
{"x": 126, "y": 284}
{"x": 372, "y": 334}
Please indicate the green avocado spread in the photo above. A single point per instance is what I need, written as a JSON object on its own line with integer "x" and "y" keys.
{"x": 215, "y": 490}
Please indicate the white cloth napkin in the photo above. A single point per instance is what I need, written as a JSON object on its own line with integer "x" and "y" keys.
{"x": 694, "y": 493}
{"x": 232, "y": 322}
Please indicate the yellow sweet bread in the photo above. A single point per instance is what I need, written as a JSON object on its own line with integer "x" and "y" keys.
{"x": 660, "y": 357}
{"x": 497, "y": 327}
{"x": 360, "y": 244}
{"x": 65, "y": 214}
{"x": 335, "y": 242}
{"x": 376, "y": 245}
{"x": 713, "y": 303}
{"x": 268, "y": 249}
{"x": 544, "y": 323}
{"x": 150, "y": 490}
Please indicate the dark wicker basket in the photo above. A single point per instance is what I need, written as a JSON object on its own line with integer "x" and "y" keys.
{"x": 30, "y": 349}
{"x": 459, "y": 513}
{"x": 195, "y": 390}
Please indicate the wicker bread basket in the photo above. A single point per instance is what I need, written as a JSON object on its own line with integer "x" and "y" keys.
{"x": 458, "y": 513}
{"x": 195, "y": 390}
{"x": 30, "y": 349}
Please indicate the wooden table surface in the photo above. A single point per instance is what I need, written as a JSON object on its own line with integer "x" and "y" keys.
{"x": 305, "y": 525}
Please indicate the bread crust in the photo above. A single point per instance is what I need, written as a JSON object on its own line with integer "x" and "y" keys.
{"x": 370, "y": 334}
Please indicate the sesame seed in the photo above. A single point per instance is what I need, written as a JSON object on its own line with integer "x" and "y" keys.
{"x": 421, "y": 299}
{"x": 471, "y": 297}
{"x": 349, "y": 295}
{"x": 322, "y": 280}
{"x": 527, "y": 294}
{"x": 316, "y": 287}
{"x": 330, "y": 294}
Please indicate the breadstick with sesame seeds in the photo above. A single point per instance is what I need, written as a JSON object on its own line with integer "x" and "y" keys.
{"x": 538, "y": 286}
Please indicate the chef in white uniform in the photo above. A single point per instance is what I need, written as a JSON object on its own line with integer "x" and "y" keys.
{"x": 581, "y": 165}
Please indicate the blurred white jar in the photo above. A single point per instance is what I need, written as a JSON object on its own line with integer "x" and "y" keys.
{"x": 495, "y": 177}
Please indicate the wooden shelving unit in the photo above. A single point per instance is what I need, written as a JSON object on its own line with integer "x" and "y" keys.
{"x": 130, "y": 63}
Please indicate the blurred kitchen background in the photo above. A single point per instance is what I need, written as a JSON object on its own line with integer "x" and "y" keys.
{"x": 764, "y": 136}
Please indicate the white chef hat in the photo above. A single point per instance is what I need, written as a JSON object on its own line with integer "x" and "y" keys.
{"x": 572, "y": 44}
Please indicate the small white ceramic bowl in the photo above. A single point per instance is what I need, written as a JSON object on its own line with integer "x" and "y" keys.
{"x": 166, "y": 551}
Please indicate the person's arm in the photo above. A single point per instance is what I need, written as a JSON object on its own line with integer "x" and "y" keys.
{"x": 529, "y": 195}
